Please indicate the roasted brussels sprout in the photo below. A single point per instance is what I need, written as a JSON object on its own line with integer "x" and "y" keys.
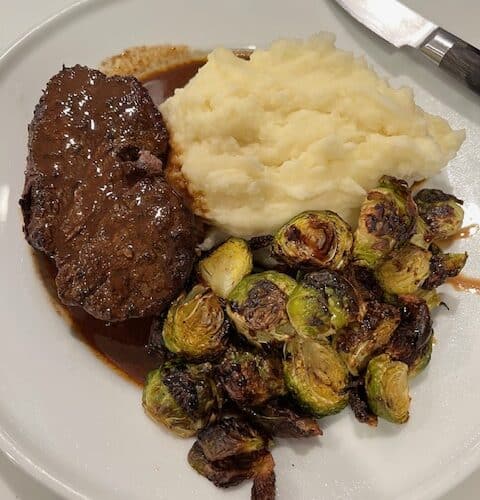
{"x": 315, "y": 239}
{"x": 387, "y": 220}
{"x": 251, "y": 378}
{"x": 316, "y": 376}
{"x": 386, "y": 384}
{"x": 442, "y": 213}
{"x": 181, "y": 397}
{"x": 405, "y": 270}
{"x": 195, "y": 327}
{"x": 279, "y": 418}
{"x": 234, "y": 470}
{"x": 226, "y": 266}
{"x": 321, "y": 303}
{"x": 359, "y": 342}
{"x": 258, "y": 307}
{"x": 357, "y": 399}
{"x": 229, "y": 437}
{"x": 443, "y": 266}
{"x": 411, "y": 342}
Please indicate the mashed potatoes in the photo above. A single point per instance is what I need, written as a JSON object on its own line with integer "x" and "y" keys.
{"x": 300, "y": 126}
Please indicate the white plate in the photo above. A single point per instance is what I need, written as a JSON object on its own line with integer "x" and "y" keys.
{"x": 73, "y": 423}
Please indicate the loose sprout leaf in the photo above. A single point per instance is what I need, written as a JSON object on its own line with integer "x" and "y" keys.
{"x": 386, "y": 384}
{"x": 230, "y": 436}
{"x": 411, "y": 342}
{"x": 315, "y": 239}
{"x": 251, "y": 377}
{"x": 280, "y": 419}
{"x": 226, "y": 266}
{"x": 443, "y": 266}
{"x": 263, "y": 487}
{"x": 387, "y": 221}
{"x": 357, "y": 399}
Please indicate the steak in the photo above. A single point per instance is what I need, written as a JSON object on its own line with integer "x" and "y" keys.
{"x": 96, "y": 201}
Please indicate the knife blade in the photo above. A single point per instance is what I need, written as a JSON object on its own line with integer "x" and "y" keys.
{"x": 401, "y": 26}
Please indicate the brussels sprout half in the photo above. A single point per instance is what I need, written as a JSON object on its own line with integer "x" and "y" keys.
{"x": 196, "y": 328}
{"x": 315, "y": 239}
{"x": 258, "y": 307}
{"x": 405, "y": 270}
{"x": 387, "y": 220}
{"x": 226, "y": 266}
{"x": 359, "y": 342}
{"x": 442, "y": 213}
{"x": 236, "y": 469}
{"x": 229, "y": 437}
{"x": 181, "y": 397}
{"x": 251, "y": 378}
{"x": 386, "y": 384}
{"x": 323, "y": 302}
{"x": 316, "y": 376}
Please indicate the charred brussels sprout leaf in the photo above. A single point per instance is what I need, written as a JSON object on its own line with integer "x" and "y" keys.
{"x": 251, "y": 378}
{"x": 280, "y": 419}
{"x": 264, "y": 480}
{"x": 405, "y": 270}
{"x": 229, "y": 437}
{"x": 234, "y": 470}
{"x": 181, "y": 397}
{"x": 258, "y": 307}
{"x": 386, "y": 384}
{"x": 315, "y": 239}
{"x": 316, "y": 376}
{"x": 443, "y": 266}
{"x": 411, "y": 342}
{"x": 226, "y": 266}
{"x": 195, "y": 327}
{"x": 321, "y": 303}
{"x": 357, "y": 399}
{"x": 442, "y": 213}
{"x": 359, "y": 342}
{"x": 387, "y": 220}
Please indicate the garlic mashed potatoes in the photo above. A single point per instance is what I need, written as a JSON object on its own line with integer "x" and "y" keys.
{"x": 300, "y": 126}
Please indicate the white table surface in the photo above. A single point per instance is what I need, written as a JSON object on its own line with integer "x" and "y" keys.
{"x": 17, "y": 16}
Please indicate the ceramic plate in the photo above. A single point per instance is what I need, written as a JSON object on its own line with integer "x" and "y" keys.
{"x": 72, "y": 422}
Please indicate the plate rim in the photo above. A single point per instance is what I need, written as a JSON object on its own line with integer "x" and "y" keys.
{"x": 431, "y": 489}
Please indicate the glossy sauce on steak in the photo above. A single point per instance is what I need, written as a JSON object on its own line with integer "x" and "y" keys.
{"x": 95, "y": 199}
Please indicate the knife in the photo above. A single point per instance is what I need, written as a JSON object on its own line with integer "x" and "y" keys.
{"x": 401, "y": 27}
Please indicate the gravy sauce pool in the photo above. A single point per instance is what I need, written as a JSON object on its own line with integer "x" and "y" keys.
{"x": 121, "y": 345}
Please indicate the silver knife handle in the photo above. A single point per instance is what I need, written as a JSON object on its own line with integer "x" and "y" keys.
{"x": 454, "y": 55}
{"x": 437, "y": 45}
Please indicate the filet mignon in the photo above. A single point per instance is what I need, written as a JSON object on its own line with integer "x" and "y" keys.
{"x": 95, "y": 199}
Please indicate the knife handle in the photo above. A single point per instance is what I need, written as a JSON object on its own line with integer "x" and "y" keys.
{"x": 454, "y": 55}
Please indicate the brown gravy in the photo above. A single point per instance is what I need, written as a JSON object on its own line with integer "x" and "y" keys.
{"x": 121, "y": 345}
{"x": 465, "y": 284}
{"x": 162, "y": 85}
